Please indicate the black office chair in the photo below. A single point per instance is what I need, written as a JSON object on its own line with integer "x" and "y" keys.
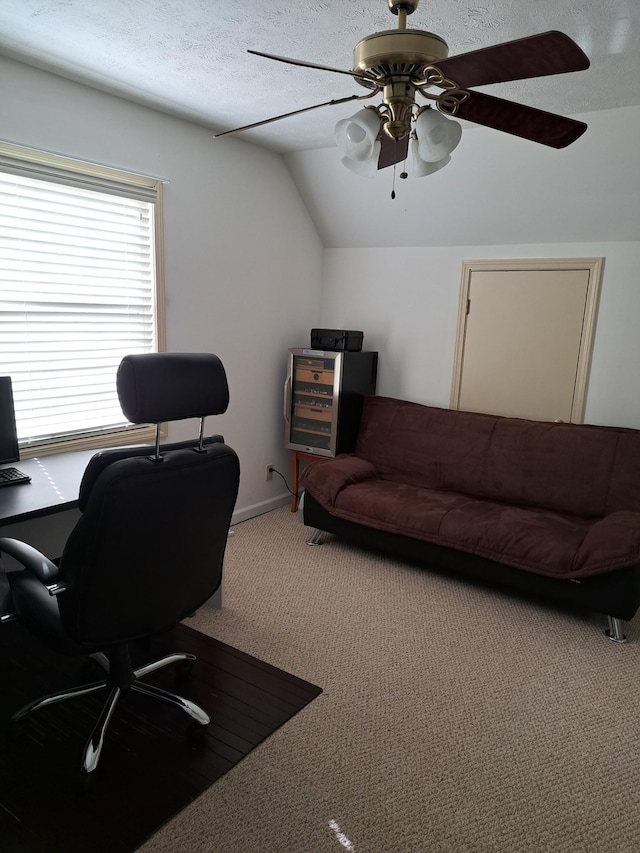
{"x": 148, "y": 548}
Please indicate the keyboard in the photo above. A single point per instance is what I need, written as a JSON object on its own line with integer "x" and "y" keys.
{"x": 12, "y": 477}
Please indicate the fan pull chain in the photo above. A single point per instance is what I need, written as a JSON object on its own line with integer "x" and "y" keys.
{"x": 403, "y": 174}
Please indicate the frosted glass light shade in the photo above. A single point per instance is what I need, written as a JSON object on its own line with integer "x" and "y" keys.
{"x": 437, "y": 135}
{"x": 356, "y": 136}
{"x": 424, "y": 167}
{"x": 364, "y": 168}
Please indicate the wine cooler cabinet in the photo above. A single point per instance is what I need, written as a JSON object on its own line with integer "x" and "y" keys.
{"x": 323, "y": 399}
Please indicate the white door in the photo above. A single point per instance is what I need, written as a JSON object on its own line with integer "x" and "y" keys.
{"x": 524, "y": 338}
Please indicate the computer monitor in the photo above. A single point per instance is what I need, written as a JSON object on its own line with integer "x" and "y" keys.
{"x": 8, "y": 435}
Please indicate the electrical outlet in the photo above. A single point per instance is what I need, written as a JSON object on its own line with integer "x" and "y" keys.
{"x": 268, "y": 471}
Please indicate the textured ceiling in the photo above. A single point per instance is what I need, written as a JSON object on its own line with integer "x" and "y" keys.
{"x": 188, "y": 57}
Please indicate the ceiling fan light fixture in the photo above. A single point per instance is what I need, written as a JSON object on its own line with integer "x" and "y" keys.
{"x": 356, "y": 136}
{"x": 365, "y": 168}
{"x": 400, "y": 64}
{"x": 421, "y": 167}
{"x": 437, "y": 135}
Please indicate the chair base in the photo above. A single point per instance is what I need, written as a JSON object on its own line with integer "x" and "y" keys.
{"x": 120, "y": 678}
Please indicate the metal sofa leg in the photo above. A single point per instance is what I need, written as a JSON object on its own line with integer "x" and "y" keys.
{"x": 615, "y": 632}
{"x": 315, "y": 538}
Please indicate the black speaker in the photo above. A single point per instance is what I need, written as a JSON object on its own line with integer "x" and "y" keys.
{"x": 336, "y": 340}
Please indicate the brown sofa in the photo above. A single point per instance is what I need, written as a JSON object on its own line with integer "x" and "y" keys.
{"x": 546, "y": 508}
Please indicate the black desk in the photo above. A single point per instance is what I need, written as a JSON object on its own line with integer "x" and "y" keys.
{"x": 54, "y": 486}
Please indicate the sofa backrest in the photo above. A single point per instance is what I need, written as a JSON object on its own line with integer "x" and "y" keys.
{"x": 573, "y": 468}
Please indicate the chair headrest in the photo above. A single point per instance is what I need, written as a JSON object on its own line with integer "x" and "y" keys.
{"x": 171, "y": 386}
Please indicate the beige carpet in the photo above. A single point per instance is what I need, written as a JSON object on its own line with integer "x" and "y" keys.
{"x": 453, "y": 717}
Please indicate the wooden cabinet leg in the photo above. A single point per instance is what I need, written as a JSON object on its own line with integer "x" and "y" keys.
{"x": 295, "y": 466}
{"x": 296, "y": 456}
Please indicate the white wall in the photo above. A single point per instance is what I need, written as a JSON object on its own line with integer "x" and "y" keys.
{"x": 243, "y": 259}
{"x": 497, "y": 188}
{"x": 500, "y": 197}
{"x": 406, "y": 302}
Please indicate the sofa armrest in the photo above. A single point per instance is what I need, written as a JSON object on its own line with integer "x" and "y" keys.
{"x": 326, "y": 478}
{"x": 610, "y": 543}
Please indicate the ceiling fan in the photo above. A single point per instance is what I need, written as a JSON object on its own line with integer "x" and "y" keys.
{"x": 403, "y": 63}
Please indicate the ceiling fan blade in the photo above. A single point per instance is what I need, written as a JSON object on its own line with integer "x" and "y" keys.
{"x": 520, "y": 120}
{"x": 286, "y": 115}
{"x": 521, "y": 59}
{"x": 359, "y": 75}
{"x": 392, "y": 151}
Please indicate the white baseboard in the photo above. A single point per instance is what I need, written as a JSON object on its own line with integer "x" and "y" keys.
{"x": 244, "y": 513}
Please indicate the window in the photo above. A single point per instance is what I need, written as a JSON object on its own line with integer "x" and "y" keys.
{"x": 80, "y": 287}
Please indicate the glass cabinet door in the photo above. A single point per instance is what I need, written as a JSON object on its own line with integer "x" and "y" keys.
{"x": 313, "y": 406}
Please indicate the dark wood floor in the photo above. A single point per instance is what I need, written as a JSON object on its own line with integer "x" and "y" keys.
{"x": 148, "y": 770}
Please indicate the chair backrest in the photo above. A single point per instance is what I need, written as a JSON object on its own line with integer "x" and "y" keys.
{"x": 149, "y": 546}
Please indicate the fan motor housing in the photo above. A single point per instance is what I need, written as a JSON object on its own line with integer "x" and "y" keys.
{"x": 398, "y": 52}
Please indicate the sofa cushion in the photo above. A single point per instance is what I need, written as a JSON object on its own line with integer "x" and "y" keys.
{"x": 561, "y": 500}
{"x": 422, "y": 446}
{"x": 530, "y": 538}
{"x": 624, "y": 488}
{"x": 577, "y": 469}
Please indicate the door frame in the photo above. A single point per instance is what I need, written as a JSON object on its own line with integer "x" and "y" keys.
{"x": 592, "y": 265}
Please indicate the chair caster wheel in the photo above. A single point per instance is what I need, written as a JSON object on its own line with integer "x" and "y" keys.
{"x": 196, "y": 733}
{"x": 183, "y": 671}
{"x": 85, "y": 782}
{"x": 17, "y": 731}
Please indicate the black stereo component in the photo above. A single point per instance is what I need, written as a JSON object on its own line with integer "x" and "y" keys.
{"x": 336, "y": 340}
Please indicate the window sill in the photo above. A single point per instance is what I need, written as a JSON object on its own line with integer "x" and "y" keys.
{"x": 136, "y": 435}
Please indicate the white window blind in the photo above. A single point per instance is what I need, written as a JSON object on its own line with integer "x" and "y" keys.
{"x": 77, "y": 292}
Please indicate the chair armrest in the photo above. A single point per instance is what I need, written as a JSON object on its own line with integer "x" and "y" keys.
{"x": 43, "y": 568}
{"x": 6, "y": 605}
